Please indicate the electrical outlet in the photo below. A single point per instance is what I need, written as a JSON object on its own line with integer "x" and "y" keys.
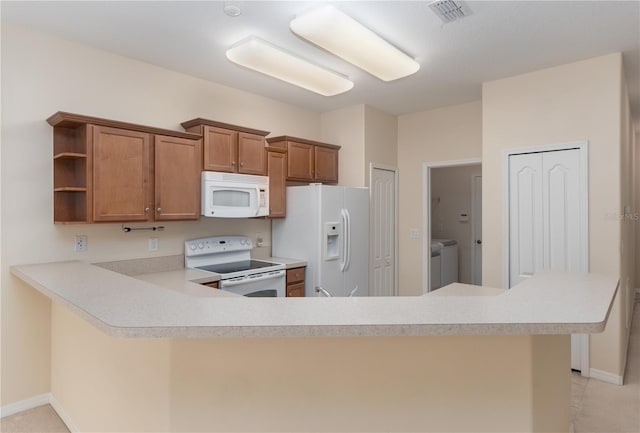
{"x": 153, "y": 244}
{"x": 259, "y": 239}
{"x": 414, "y": 233}
{"x": 81, "y": 244}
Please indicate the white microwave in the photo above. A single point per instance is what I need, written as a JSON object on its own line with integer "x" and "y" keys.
{"x": 231, "y": 195}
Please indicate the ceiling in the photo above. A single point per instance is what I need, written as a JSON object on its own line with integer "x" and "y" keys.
{"x": 497, "y": 39}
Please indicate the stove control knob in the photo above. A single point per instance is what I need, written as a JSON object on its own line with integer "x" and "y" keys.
{"x": 201, "y": 245}
{"x": 192, "y": 247}
{"x": 242, "y": 242}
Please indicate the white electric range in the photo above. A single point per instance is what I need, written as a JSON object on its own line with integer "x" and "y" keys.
{"x": 230, "y": 257}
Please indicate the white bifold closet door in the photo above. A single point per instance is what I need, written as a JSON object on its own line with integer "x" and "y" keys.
{"x": 544, "y": 214}
{"x": 544, "y": 219}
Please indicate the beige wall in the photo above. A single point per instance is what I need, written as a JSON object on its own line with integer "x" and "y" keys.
{"x": 345, "y": 127}
{"x": 110, "y": 384}
{"x": 309, "y": 384}
{"x": 41, "y": 75}
{"x": 627, "y": 229}
{"x": 366, "y": 135}
{"x": 451, "y": 195}
{"x": 578, "y": 101}
{"x": 445, "y": 134}
{"x": 381, "y": 139}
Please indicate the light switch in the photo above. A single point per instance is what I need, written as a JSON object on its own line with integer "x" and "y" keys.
{"x": 414, "y": 233}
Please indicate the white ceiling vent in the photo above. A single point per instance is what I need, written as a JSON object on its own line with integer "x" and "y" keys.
{"x": 447, "y": 10}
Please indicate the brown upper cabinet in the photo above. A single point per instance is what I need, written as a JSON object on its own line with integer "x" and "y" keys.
{"x": 108, "y": 171}
{"x": 230, "y": 148}
{"x": 307, "y": 160}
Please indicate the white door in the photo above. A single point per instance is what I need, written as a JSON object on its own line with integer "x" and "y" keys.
{"x": 545, "y": 201}
{"x": 525, "y": 216}
{"x": 476, "y": 229}
{"x": 383, "y": 225}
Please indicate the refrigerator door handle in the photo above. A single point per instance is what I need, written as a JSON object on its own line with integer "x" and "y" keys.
{"x": 347, "y": 256}
{"x": 343, "y": 217}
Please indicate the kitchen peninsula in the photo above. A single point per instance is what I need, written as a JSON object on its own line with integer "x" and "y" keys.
{"x": 155, "y": 359}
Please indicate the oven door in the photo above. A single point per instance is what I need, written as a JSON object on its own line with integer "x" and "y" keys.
{"x": 266, "y": 284}
{"x": 230, "y": 200}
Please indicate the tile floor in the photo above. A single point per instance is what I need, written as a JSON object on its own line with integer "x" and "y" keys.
{"x": 595, "y": 406}
{"x": 602, "y": 407}
{"x": 41, "y": 419}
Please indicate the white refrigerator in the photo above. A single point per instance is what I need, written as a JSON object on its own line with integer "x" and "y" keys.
{"x": 328, "y": 226}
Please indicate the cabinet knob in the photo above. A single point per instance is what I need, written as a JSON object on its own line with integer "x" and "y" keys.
{"x": 146, "y": 210}
{"x": 233, "y": 163}
{"x": 242, "y": 164}
{"x": 159, "y": 210}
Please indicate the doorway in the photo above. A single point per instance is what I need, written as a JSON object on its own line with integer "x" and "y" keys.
{"x": 546, "y": 215}
{"x": 449, "y": 243}
{"x": 383, "y": 182}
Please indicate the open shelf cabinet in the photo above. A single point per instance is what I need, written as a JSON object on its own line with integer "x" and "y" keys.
{"x": 71, "y": 173}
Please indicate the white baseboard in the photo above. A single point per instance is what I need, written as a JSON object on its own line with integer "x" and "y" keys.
{"x": 605, "y": 376}
{"x": 26, "y": 404}
{"x": 63, "y": 415}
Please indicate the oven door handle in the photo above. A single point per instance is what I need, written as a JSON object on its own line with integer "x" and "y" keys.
{"x": 247, "y": 280}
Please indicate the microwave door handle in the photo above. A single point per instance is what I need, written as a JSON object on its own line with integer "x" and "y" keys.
{"x": 257, "y": 200}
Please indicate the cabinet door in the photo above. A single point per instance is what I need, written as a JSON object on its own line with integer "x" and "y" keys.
{"x": 177, "y": 178}
{"x": 326, "y": 164}
{"x": 300, "y": 158}
{"x": 121, "y": 184}
{"x": 220, "y": 146}
{"x": 277, "y": 170}
{"x": 251, "y": 154}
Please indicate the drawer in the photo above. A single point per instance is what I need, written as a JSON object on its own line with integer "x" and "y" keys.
{"x": 295, "y": 275}
{"x": 295, "y": 290}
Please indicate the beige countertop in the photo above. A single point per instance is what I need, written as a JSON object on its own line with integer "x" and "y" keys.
{"x": 288, "y": 263}
{"x": 143, "y": 307}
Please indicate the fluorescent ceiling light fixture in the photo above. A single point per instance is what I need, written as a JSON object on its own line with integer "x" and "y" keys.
{"x": 343, "y": 36}
{"x": 259, "y": 55}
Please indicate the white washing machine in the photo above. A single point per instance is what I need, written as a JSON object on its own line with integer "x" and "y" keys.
{"x": 448, "y": 261}
{"x": 436, "y": 266}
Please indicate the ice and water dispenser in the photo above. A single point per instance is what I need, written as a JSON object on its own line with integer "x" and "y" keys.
{"x": 331, "y": 241}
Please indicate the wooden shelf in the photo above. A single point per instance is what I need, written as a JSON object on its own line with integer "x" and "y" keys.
{"x": 70, "y": 189}
{"x": 70, "y": 155}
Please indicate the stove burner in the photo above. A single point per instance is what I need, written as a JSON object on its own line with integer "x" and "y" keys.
{"x": 244, "y": 265}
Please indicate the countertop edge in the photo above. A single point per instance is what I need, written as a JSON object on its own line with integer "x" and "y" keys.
{"x": 363, "y": 312}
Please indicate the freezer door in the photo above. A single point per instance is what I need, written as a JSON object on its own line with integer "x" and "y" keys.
{"x": 357, "y": 272}
{"x": 298, "y": 235}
